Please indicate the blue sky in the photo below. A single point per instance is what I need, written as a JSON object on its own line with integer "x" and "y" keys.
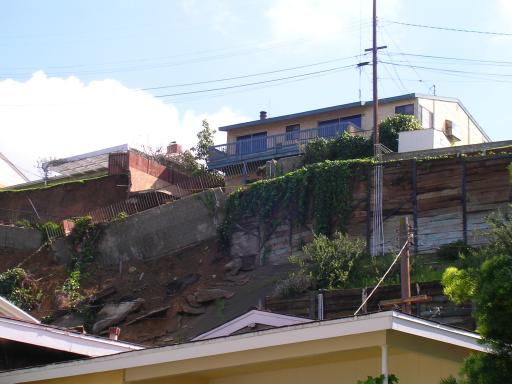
{"x": 73, "y": 73}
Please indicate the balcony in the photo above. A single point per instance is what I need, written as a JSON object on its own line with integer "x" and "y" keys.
{"x": 267, "y": 147}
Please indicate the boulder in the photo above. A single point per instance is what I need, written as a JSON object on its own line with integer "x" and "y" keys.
{"x": 187, "y": 309}
{"x": 207, "y": 295}
{"x": 112, "y": 314}
{"x": 179, "y": 284}
{"x": 233, "y": 267}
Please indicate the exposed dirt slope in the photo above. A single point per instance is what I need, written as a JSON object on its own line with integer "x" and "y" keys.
{"x": 161, "y": 283}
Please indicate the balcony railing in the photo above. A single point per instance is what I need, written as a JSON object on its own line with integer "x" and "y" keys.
{"x": 271, "y": 146}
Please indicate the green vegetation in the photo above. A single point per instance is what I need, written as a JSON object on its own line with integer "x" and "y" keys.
{"x": 391, "y": 126}
{"x": 321, "y": 192}
{"x": 344, "y": 147}
{"x": 329, "y": 262}
{"x": 454, "y": 251}
{"x": 84, "y": 239}
{"x": 484, "y": 276}
{"x": 53, "y": 184}
{"x": 392, "y": 379}
{"x": 347, "y": 147}
{"x": 19, "y": 288}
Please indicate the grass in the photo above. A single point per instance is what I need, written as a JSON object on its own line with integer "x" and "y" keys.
{"x": 51, "y": 184}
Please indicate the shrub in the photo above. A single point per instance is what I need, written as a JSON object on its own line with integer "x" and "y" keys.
{"x": 453, "y": 251}
{"x": 328, "y": 263}
{"x": 295, "y": 284}
{"x": 17, "y": 287}
{"x": 392, "y": 379}
{"x": 50, "y": 230}
{"x": 344, "y": 147}
{"x": 392, "y": 125}
{"x": 24, "y": 223}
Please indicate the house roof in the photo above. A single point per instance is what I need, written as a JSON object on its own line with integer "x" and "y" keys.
{"x": 342, "y": 107}
{"x": 249, "y": 319}
{"x": 287, "y": 335}
{"x": 30, "y": 332}
{"x": 84, "y": 163}
{"x": 11, "y": 311}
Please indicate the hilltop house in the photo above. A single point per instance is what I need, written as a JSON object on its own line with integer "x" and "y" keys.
{"x": 445, "y": 122}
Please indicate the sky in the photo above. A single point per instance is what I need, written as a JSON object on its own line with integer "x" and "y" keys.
{"x": 78, "y": 76}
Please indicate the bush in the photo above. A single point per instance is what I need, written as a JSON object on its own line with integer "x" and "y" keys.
{"x": 24, "y": 223}
{"x": 392, "y": 125}
{"x": 50, "y": 230}
{"x": 344, "y": 147}
{"x": 17, "y": 287}
{"x": 328, "y": 263}
{"x": 295, "y": 284}
{"x": 392, "y": 379}
{"x": 453, "y": 251}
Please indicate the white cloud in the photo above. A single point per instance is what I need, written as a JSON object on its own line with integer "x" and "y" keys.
{"x": 59, "y": 117}
{"x": 323, "y": 21}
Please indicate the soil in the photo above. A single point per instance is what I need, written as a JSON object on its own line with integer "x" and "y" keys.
{"x": 164, "y": 282}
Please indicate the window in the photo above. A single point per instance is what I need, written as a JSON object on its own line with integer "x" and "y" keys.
{"x": 293, "y": 132}
{"x": 355, "y": 120}
{"x": 407, "y": 109}
{"x": 257, "y": 142}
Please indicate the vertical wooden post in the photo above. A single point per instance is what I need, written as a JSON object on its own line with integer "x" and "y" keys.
{"x": 414, "y": 172}
{"x": 464, "y": 203}
{"x": 405, "y": 271}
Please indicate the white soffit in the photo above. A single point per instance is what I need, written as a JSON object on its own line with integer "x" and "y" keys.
{"x": 61, "y": 339}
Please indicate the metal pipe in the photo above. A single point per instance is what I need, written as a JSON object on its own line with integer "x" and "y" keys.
{"x": 384, "y": 362}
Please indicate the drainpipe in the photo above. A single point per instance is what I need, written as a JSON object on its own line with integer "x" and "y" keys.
{"x": 384, "y": 362}
{"x": 320, "y": 304}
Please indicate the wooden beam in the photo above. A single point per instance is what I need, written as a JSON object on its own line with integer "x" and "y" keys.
{"x": 410, "y": 300}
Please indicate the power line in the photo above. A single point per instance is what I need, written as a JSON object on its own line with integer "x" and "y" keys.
{"x": 494, "y": 62}
{"x": 448, "y": 70}
{"x": 448, "y": 28}
{"x": 256, "y": 83}
{"x": 249, "y": 75}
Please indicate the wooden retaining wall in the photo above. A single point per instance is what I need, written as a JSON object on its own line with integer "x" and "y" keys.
{"x": 445, "y": 199}
{"x": 344, "y": 302}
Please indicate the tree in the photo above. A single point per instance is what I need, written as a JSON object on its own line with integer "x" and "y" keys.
{"x": 205, "y": 141}
{"x": 392, "y": 125}
{"x": 485, "y": 277}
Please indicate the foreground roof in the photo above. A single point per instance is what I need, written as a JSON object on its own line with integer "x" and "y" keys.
{"x": 135, "y": 362}
{"x": 61, "y": 339}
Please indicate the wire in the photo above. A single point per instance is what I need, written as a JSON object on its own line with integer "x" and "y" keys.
{"x": 249, "y": 75}
{"x": 494, "y": 62}
{"x": 447, "y": 70}
{"x": 448, "y": 28}
{"x": 255, "y": 83}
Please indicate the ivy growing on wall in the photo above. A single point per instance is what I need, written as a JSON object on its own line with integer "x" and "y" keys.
{"x": 320, "y": 192}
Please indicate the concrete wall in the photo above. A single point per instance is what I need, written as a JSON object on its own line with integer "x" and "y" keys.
{"x": 165, "y": 229}
{"x": 421, "y": 140}
{"x": 22, "y": 239}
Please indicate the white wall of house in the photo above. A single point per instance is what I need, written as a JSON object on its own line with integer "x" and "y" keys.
{"x": 421, "y": 140}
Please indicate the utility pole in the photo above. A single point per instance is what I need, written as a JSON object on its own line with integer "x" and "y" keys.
{"x": 376, "y": 138}
{"x": 405, "y": 266}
